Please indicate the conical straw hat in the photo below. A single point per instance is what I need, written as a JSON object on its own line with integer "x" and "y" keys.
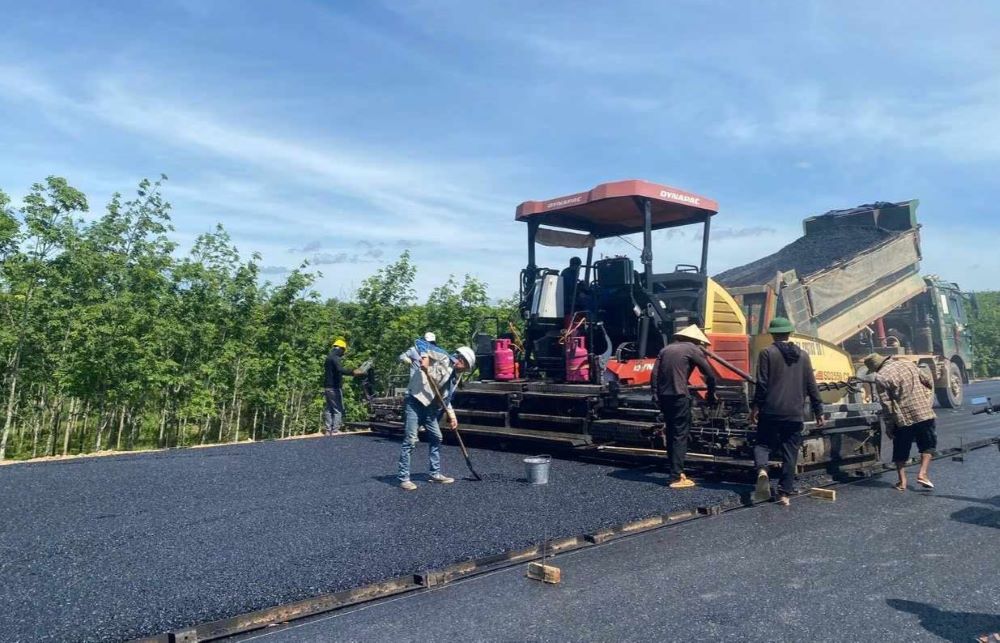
{"x": 693, "y": 332}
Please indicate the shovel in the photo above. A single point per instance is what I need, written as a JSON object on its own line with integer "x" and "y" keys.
{"x": 461, "y": 444}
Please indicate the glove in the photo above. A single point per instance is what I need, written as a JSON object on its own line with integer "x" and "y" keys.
{"x": 358, "y": 372}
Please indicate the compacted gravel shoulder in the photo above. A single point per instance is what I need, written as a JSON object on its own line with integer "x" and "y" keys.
{"x": 124, "y": 546}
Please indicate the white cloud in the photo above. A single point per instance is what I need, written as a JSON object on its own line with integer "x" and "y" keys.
{"x": 961, "y": 254}
{"x": 350, "y": 193}
{"x": 962, "y": 124}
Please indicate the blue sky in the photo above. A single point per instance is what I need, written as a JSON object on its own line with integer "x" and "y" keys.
{"x": 345, "y": 132}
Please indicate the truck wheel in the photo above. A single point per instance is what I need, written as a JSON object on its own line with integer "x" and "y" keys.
{"x": 950, "y": 396}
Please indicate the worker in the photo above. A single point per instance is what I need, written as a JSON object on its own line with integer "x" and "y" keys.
{"x": 572, "y": 290}
{"x": 784, "y": 380}
{"x": 421, "y": 408}
{"x": 906, "y": 391}
{"x": 431, "y": 339}
{"x": 669, "y": 386}
{"x": 333, "y": 385}
{"x": 430, "y": 343}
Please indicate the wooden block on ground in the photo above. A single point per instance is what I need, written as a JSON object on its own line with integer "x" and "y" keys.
{"x": 544, "y": 573}
{"x": 823, "y": 494}
{"x": 600, "y": 537}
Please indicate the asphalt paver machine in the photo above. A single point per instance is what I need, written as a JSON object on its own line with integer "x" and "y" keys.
{"x": 578, "y": 369}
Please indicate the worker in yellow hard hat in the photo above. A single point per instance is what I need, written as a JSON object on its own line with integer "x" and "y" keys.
{"x": 333, "y": 387}
{"x": 669, "y": 387}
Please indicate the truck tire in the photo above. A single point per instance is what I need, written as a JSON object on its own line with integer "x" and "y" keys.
{"x": 950, "y": 395}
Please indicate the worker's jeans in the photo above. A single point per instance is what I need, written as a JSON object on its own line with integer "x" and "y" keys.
{"x": 676, "y": 411}
{"x": 786, "y": 438}
{"x": 416, "y": 415}
{"x": 333, "y": 411}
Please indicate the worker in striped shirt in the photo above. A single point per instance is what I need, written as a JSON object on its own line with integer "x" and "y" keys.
{"x": 906, "y": 392}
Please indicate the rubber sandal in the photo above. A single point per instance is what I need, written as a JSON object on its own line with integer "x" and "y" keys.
{"x": 899, "y": 487}
{"x": 683, "y": 482}
{"x": 924, "y": 482}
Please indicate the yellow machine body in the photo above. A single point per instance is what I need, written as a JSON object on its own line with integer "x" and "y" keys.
{"x": 829, "y": 362}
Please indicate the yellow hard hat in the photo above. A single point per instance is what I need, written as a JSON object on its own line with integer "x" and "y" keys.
{"x": 340, "y": 343}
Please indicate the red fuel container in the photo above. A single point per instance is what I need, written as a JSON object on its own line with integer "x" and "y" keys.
{"x": 503, "y": 360}
{"x": 577, "y": 364}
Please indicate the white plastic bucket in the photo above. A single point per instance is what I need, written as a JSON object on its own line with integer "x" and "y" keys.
{"x": 537, "y": 469}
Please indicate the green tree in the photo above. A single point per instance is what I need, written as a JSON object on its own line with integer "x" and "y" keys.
{"x": 985, "y": 326}
{"x": 32, "y": 277}
{"x": 110, "y": 340}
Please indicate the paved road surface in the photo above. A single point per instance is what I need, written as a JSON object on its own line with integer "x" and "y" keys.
{"x": 876, "y": 565}
{"x": 138, "y": 544}
{"x": 959, "y": 425}
{"x": 117, "y": 547}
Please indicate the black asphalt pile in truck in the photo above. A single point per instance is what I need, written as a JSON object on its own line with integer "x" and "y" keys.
{"x": 813, "y": 253}
{"x": 805, "y": 255}
{"x": 849, "y": 268}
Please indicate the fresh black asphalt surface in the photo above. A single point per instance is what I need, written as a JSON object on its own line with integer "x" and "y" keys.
{"x": 117, "y": 547}
{"x": 958, "y": 426}
{"x": 875, "y": 565}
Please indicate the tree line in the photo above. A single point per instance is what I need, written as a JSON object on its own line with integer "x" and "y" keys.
{"x": 112, "y": 340}
{"x": 985, "y": 327}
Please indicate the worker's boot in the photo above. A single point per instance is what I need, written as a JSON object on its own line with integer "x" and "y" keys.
{"x": 683, "y": 482}
{"x": 762, "y": 491}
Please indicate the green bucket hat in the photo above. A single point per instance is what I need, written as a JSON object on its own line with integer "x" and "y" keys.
{"x": 780, "y": 325}
{"x": 875, "y": 361}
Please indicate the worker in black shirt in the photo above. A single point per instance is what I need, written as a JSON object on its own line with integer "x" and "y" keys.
{"x": 333, "y": 385}
{"x": 572, "y": 290}
{"x": 784, "y": 380}
{"x": 669, "y": 386}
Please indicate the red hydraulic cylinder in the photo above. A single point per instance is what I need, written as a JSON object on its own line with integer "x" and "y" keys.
{"x": 880, "y": 331}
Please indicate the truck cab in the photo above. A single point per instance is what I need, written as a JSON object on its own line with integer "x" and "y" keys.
{"x": 934, "y": 327}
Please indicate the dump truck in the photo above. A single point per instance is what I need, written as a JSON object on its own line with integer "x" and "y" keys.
{"x": 853, "y": 279}
{"x": 582, "y": 362}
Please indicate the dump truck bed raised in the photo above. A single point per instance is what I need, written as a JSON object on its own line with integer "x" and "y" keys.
{"x": 848, "y": 269}
{"x": 807, "y": 256}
